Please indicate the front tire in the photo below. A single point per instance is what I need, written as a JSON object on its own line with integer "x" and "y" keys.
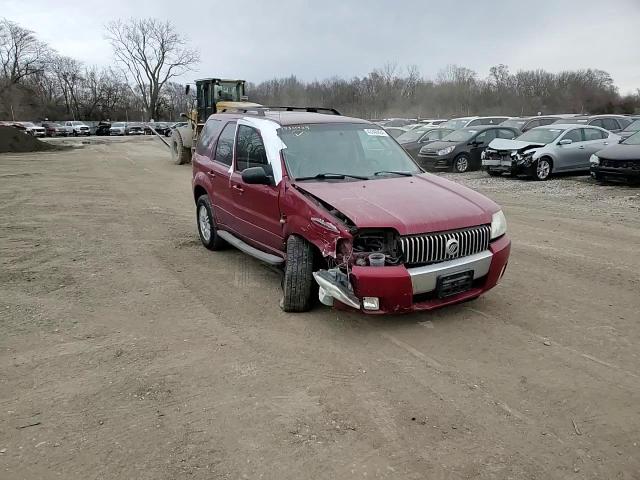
{"x": 542, "y": 169}
{"x": 206, "y": 225}
{"x": 461, "y": 163}
{"x": 298, "y": 276}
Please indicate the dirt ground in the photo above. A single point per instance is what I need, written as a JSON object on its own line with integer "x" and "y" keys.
{"x": 129, "y": 351}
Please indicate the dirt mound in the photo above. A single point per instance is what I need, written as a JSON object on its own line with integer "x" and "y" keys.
{"x": 14, "y": 140}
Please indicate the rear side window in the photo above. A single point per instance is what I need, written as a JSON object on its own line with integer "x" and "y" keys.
{"x": 224, "y": 147}
{"x": 208, "y": 136}
{"x": 546, "y": 121}
{"x": 250, "y": 150}
{"x": 609, "y": 124}
{"x": 593, "y": 134}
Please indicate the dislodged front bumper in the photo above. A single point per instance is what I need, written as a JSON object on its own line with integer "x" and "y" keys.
{"x": 400, "y": 289}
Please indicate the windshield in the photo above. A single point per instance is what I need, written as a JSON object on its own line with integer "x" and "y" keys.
{"x": 460, "y": 135}
{"x": 413, "y": 135}
{"x": 118, "y": 124}
{"x": 27, "y": 124}
{"x": 360, "y": 150}
{"x": 633, "y": 126}
{"x": 514, "y": 123}
{"x": 633, "y": 139}
{"x": 455, "y": 123}
{"x": 540, "y": 135}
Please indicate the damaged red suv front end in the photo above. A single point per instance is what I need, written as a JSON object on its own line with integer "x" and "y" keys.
{"x": 336, "y": 201}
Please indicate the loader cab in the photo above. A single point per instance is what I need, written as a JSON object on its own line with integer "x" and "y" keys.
{"x": 214, "y": 94}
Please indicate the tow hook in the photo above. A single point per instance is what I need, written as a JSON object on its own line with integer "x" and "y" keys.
{"x": 334, "y": 284}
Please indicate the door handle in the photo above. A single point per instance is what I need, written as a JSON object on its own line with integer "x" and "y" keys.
{"x": 238, "y": 188}
{"x": 211, "y": 173}
{"x": 581, "y": 147}
{"x": 606, "y": 143}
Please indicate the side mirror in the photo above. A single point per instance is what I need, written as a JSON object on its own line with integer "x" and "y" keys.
{"x": 621, "y": 140}
{"x": 255, "y": 176}
{"x": 184, "y": 115}
{"x": 187, "y": 89}
{"x": 565, "y": 141}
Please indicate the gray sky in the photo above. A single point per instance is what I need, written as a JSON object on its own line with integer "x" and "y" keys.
{"x": 260, "y": 39}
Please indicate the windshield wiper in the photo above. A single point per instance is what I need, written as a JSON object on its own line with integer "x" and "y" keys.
{"x": 331, "y": 176}
{"x": 396, "y": 172}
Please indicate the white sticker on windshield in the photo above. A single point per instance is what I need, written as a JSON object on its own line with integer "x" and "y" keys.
{"x": 375, "y": 132}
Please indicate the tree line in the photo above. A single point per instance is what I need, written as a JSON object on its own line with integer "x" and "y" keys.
{"x": 456, "y": 91}
{"x": 36, "y": 82}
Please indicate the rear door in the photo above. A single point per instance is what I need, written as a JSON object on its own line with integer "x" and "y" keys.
{"x": 594, "y": 140}
{"x": 256, "y": 211}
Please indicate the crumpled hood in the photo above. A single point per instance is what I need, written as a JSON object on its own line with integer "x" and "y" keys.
{"x": 513, "y": 145}
{"x": 418, "y": 204}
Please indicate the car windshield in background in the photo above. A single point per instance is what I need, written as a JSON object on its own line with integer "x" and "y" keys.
{"x": 413, "y": 135}
{"x": 332, "y": 150}
{"x": 118, "y": 125}
{"x": 633, "y": 126}
{"x": 27, "y": 124}
{"x": 540, "y": 135}
{"x": 514, "y": 123}
{"x": 460, "y": 135}
{"x": 633, "y": 139}
{"x": 455, "y": 124}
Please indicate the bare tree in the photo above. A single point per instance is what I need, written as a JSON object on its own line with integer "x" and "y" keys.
{"x": 153, "y": 53}
{"x": 21, "y": 53}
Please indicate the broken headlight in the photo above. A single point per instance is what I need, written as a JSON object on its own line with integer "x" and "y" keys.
{"x": 366, "y": 242}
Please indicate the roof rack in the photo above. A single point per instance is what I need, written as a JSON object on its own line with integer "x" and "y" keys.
{"x": 262, "y": 110}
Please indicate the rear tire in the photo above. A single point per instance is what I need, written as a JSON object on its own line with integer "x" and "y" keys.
{"x": 298, "y": 276}
{"x": 206, "y": 224}
{"x": 461, "y": 163}
{"x": 179, "y": 154}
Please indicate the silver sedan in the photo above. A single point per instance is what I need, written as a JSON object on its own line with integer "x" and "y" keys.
{"x": 543, "y": 151}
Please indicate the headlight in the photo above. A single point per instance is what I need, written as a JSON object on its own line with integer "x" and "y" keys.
{"x": 446, "y": 150}
{"x": 498, "y": 225}
{"x": 594, "y": 160}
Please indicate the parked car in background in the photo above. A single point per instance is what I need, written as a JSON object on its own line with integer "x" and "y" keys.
{"x": 77, "y": 128}
{"x": 343, "y": 207}
{"x": 103, "y": 128}
{"x": 118, "y": 128}
{"x": 461, "y": 150}
{"x": 53, "y": 129}
{"x": 619, "y": 161}
{"x": 413, "y": 140}
{"x": 33, "y": 129}
{"x": 160, "y": 127}
{"x": 630, "y": 129}
{"x": 527, "y": 123}
{"x": 134, "y": 129}
{"x": 432, "y": 121}
{"x": 398, "y": 122}
{"x": 463, "y": 122}
{"x": 395, "y": 132}
{"x": 543, "y": 151}
{"x": 613, "y": 123}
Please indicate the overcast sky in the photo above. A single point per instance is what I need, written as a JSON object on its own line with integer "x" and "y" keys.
{"x": 260, "y": 39}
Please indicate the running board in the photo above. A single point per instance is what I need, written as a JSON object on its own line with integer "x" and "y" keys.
{"x": 246, "y": 248}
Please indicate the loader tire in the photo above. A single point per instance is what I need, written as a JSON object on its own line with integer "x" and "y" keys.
{"x": 179, "y": 153}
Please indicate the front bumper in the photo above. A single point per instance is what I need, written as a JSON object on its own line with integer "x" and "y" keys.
{"x": 402, "y": 290}
{"x": 511, "y": 165}
{"x": 630, "y": 170}
{"x": 433, "y": 162}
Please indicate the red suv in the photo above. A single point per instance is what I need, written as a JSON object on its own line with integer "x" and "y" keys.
{"x": 345, "y": 211}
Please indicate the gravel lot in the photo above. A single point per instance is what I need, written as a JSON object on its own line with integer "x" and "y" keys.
{"x": 128, "y": 351}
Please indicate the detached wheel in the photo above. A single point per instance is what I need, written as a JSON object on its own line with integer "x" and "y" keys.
{"x": 461, "y": 163}
{"x": 542, "y": 169}
{"x": 298, "y": 279}
{"x": 179, "y": 154}
{"x": 494, "y": 173}
{"x": 206, "y": 226}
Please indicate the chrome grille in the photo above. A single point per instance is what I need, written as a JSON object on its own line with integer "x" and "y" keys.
{"x": 431, "y": 247}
